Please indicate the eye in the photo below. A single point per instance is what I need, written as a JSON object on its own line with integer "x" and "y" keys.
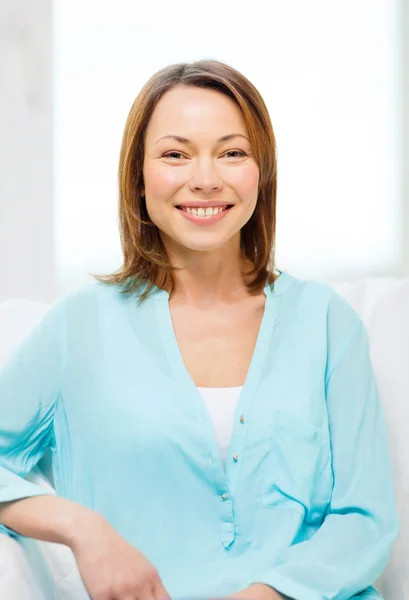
{"x": 174, "y": 155}
{"x": 238, "y": 153}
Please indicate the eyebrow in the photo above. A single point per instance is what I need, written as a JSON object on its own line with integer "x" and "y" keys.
{"x": 183, "y": 140}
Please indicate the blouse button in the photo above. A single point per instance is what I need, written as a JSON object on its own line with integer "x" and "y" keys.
{"x": 224, "y": 496}
{"x": 235, "y": 457}
{"x": 241, "y": 419}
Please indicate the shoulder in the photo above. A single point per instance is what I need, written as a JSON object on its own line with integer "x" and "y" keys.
{"x": 328, "y": 316}
{"x": 90, "y": 294}
{"x": 86, "y": 304}
{"x": 314, "y": 293}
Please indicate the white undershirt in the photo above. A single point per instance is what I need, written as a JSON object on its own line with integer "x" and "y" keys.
{"x": 221, "y": 403}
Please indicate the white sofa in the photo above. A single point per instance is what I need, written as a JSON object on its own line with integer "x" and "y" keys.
{"x": 45, "y": 571}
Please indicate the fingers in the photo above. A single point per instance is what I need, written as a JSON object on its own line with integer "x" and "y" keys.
{"x": 138, "y": 597}
{"x": 159, "y": 592}
{"x": 143, "y": 594}
{"x": 148, "y": 595}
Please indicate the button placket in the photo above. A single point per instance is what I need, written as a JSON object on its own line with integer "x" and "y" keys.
{"x": 236, "y": 456}
{"x": 227, "y": 532}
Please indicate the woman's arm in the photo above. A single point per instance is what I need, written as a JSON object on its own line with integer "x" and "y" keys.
{"x": 29, "y": 388}
{"x": 352, "y": 547}
{"x": 259, "y": 591}
{"x": 49, "y": 518}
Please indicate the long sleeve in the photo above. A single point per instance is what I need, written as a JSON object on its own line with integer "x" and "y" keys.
{"x": 352, "y": 547}
{"x": 29, "y": 388}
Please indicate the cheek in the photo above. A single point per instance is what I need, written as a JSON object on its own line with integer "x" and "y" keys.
{"x": 162, "y": 181}
{"x": 245, "y": 182}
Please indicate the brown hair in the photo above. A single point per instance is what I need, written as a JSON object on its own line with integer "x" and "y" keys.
{"x": 144, "y": 255}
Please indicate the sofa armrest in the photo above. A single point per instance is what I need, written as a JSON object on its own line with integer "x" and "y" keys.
{"x": 38, "y": 570}
{"x": 18, "y": 579}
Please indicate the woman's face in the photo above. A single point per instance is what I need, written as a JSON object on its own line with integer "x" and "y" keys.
{"x": 187, "y": 162}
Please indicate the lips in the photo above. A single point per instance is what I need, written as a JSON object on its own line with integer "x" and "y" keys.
{"x": 204, "y": 206}
{"x": 202, "y": 217}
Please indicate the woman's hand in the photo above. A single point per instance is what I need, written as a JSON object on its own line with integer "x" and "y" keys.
{"x": 112, "y": 569}
{"x": 258, "y": 591}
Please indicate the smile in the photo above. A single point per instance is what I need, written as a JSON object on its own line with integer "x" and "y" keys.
{"x": 204, "y": 215}
{"x": 204, "y": 212}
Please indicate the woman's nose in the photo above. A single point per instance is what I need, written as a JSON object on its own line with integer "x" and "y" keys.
{"x": 205, "y": 177}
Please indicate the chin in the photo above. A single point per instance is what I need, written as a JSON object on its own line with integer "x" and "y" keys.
{"x": 201, "y": 247}
{"x": 206, "y": 246}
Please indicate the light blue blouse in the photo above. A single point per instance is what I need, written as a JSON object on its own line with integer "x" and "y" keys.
{"x": 306, "y": 502}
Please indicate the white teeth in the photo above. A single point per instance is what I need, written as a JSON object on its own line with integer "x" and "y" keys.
{"x": 201, "y": 212}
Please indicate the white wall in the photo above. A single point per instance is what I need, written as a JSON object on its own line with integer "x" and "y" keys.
{"x": 403, "y": 112}
{"x": 27, "y": 259}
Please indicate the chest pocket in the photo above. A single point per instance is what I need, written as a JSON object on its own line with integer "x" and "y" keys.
{"x": 297, "y": 472}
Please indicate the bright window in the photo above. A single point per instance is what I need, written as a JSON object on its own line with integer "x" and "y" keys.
{"x": 328, "y": 73}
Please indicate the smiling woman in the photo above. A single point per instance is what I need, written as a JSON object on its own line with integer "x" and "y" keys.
{"x": 198, "y": 136}
{"x": 200, "y": 171}
{"x": 204, "y": 410}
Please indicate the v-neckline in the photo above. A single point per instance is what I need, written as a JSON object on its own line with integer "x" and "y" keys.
{"x": 191, "y": 399}
{"x": 182, "y": 376}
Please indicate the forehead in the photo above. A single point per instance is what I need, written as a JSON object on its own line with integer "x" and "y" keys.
{"x": 188, "y": 110}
